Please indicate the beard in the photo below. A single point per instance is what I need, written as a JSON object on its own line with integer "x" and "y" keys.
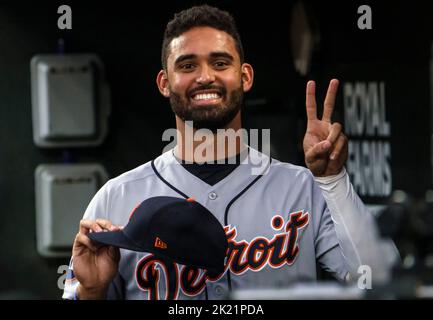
{"x": 212, "y": 117}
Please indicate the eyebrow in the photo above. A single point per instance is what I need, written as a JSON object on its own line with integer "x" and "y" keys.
{"x": 185, "y": 57}
{"x": 221, "y": 54}
{"x": 214, "y": 55}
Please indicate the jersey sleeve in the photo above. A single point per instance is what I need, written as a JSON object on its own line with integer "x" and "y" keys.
{"x": 71, "y": 283}
{"x": 328, "y": 251}
{"x": 356, "y": 230}
{"x": 98, "y": 208}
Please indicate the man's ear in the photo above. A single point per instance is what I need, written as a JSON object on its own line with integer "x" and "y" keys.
{"x": 162, "y": 83}
{"x": 247, "y": 76}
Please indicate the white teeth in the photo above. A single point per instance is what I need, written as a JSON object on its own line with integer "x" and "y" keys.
{"x": 206, "y": 96}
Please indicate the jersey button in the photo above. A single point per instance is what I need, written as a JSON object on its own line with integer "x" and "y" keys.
{"x": 219, "y": 290}
{"x": 212, "y": 195}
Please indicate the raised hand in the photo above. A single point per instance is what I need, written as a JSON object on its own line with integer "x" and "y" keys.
{"x": 325, "y": 146}
{"x": 95, "y": 265}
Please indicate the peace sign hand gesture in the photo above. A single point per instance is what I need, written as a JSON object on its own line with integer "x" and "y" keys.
{"x": 325, "y": 146}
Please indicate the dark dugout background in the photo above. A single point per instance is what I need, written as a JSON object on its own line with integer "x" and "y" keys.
{"x": 128, "y": 35}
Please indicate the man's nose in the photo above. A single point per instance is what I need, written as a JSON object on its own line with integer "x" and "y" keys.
{"x": 206, "y": 75}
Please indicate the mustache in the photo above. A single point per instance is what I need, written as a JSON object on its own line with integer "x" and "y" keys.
{"x": 221, "y": 90}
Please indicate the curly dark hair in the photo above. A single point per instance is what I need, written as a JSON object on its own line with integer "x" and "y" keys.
{"x": 200, "y": 16}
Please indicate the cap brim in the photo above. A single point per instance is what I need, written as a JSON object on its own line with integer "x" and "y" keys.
{"x": 118, "y": 239}
{"x": 115, "y": 239}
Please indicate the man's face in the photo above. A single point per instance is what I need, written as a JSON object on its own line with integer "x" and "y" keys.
{"x": 204, "y": 78}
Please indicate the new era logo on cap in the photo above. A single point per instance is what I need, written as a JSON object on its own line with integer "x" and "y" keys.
{"x": 178, "y": 229}
{"x": 160, "y": 244}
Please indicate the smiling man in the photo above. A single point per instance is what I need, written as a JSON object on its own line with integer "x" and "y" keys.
{"x": 204, "y": 76}
{"x": 278, "y": 223}
{"x": 204, "y": 86}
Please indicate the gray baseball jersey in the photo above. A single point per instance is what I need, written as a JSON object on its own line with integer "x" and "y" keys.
{"x": 277, "y": 224}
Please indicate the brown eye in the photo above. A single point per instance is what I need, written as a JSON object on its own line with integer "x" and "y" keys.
{"x": 220, "y": 64}
{"x": 187, "y": 66}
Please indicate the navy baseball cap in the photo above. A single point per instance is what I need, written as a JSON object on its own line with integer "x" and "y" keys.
{"x": 178, "y": 229}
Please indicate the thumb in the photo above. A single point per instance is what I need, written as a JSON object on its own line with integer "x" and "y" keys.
{"x": 319, "y": 150}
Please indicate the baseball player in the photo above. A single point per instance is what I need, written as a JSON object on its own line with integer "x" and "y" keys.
{"x": 279, "y": 222}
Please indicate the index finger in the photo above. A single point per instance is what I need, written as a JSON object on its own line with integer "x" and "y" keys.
{"x": 98, "y": 224}
{"x": 107, "y": 225}
{"x": 330, "y": 100}
{"x": 310, "y": 101}
{"x": 85, "y": 226}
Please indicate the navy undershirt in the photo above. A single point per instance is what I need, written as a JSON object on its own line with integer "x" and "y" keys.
{"x": 212, "y": 173}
